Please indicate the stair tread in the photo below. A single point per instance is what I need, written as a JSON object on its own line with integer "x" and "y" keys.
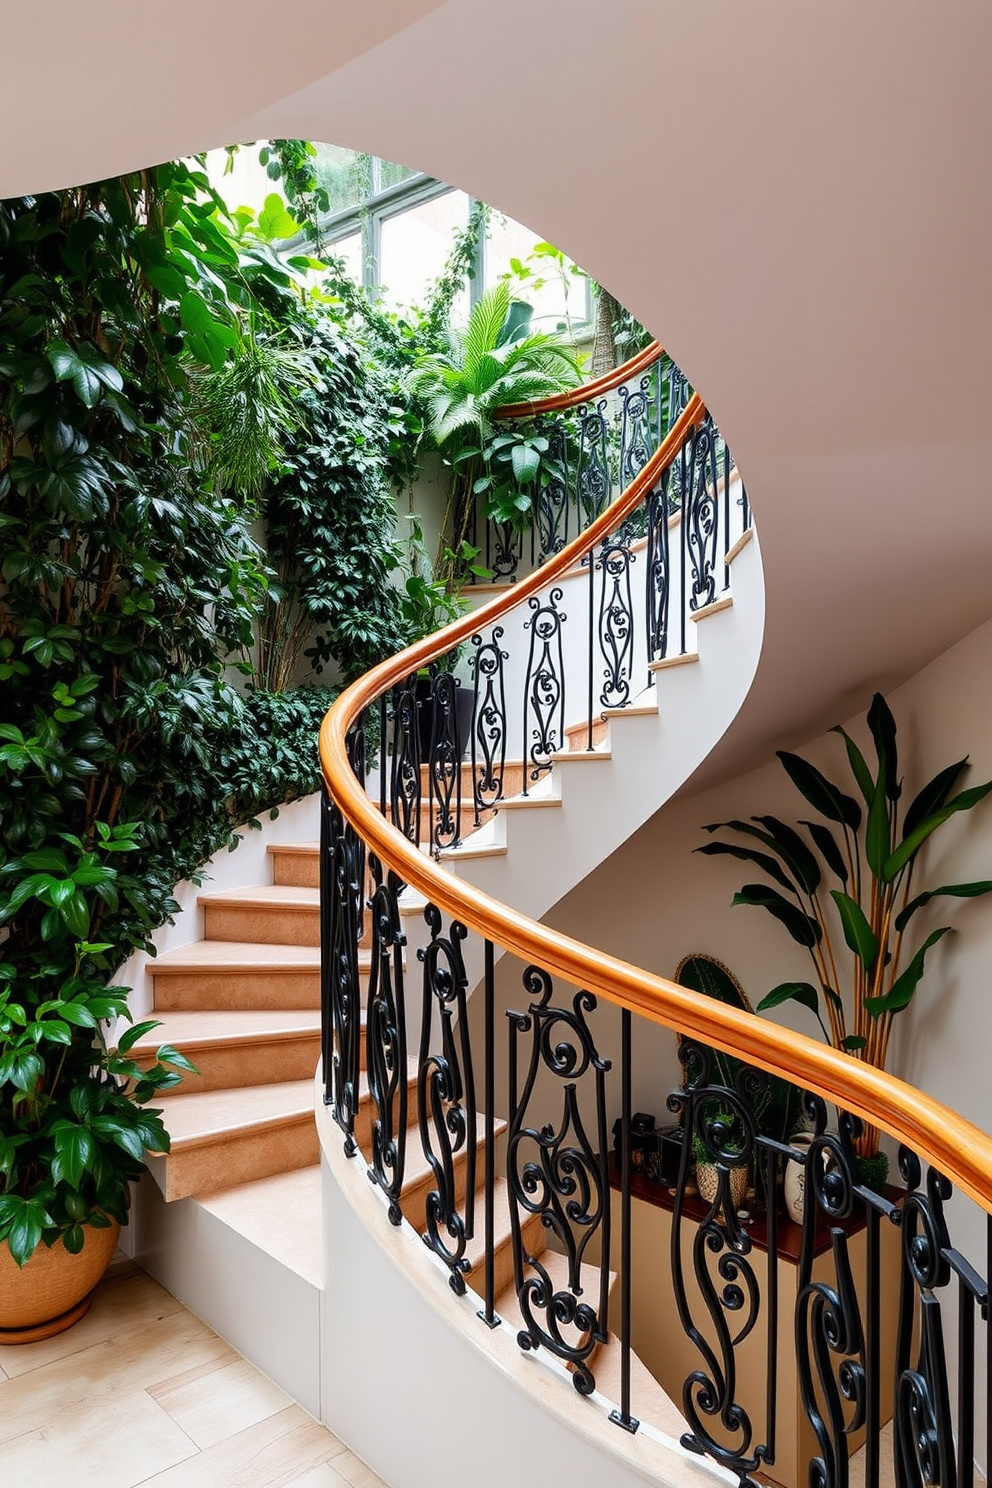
{"x": 308, "y": 848}
{"x": 206, "y": 1115}
{"x": 263, "y": 896}
{"x": 281, "y": 1215}
{"x": 191, "y": 1030}
{"x": 238, "y": 955}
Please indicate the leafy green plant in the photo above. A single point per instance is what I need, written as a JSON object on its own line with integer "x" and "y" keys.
{"x": 76, "y": 1123}
{"x": 483, "y": 369}
{"x": 869, "y": 848}
{"x": 129, "y": 590}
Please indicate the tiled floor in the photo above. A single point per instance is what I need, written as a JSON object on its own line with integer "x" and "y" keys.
{"x": 142, "y": 1392}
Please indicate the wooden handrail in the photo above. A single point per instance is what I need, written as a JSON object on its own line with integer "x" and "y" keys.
{"x": 586, "y": 392}
{"x": 958, "y": 1148}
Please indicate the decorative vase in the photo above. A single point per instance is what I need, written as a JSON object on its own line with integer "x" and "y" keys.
{"x": 52, "y": 1290}
{"x": 708, "y": 1182}
{"x": 794, "y": 1182}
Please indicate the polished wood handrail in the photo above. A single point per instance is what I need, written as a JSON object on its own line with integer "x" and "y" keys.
{"x": 586, "y": 392}
{"x": 958, "y": 1148}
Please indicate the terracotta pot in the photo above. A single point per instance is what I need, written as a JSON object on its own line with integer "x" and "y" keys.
{"x": 52, "y": 1290}
{"x": 708, "y": 1182}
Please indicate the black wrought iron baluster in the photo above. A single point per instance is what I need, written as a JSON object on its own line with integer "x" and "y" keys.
{"x": 405, "y": 784}
{"x": 623, "y": 1417}
{"x": 446, "y": 1106}
{"x": 616, "y": 619}
{"x": 559, "y": 1172}
{"x": 700, "y": 515}
{"x": 658, "y": 573}
{"x": 552, "y": 503}
{"x": 488, "y": 722}
{"x": 721, "y": 1120}
{"x": 635, "y": 429}
{"x": 444, "y": 764}
{"x": 831, "y": 1348}
{"x": 385, "y": 1040}
{"x": 594, "y": 484}
{"x": 503, "y": 551}
{"x": 923, "y": 1424}
{"x": 489, "y": 1314}
{"x": 341, "y": 878}
{"x": 544, "y": 685}
{"x": 680, "y": 478}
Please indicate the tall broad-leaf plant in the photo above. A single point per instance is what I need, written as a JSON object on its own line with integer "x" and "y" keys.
{"x": 845, "y": 885}
{"x": 493, "y": 362}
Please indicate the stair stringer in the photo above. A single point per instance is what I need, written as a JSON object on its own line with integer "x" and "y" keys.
{"x": 550, "y": 850}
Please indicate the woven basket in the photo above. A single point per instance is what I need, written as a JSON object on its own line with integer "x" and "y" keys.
{"x": 708, "y": 1182}
{"x": 51, "y": 1291}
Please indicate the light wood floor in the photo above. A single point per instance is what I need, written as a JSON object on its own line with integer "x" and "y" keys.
{"x": 142, "y": 1392}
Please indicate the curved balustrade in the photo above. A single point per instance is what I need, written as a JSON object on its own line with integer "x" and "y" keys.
{"x": 597, "y": 437}
{"x": 427, "y": 1115}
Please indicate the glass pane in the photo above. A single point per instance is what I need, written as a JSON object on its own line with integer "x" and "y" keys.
{"x": 414, "y": 246}
{"x": 557, "y": 294}
{"x": 350, "y": 250}
{"x": 345, "y": 175}
{"x": 391, "y": 175}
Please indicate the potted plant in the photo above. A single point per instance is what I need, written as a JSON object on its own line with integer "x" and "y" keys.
{"x": 74, "y": 1115}
{"x": 496, "y": 361}
{"x": 724, "y": 1136}
{"x": 869, "y": 849}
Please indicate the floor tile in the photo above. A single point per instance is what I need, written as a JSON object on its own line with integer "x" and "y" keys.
{"x": 277, "y": 1452}
{"x": 221, "y": 1402}
{"x": 355, "y": 1472}
{"x": 109, "y": 1443}
{"x": 35, "y": 1399}
{"x": 121, "y": 1307}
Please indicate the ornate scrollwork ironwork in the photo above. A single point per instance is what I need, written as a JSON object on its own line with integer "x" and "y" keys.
{"x": 658, "y": 577}
{"x": 924, "y": 1429}
{"x": 503, "y": 548}
{"x": 488, "y": 721}
{"x": 405, "y": 787}
{"x": 444, "y": 763}
{"x": 636, "y": 432}
{"x": 559, "y": 1173}
{"x": 385, "y": 1039}
{"x": 342, "y": 874}
{"x": 721, "y": 1122}
{"x": 593, "y": 482}
{"x": 552, "y": 509}
{"x": 544, "y": 688}
{"x": 616, "y": 620}
{"x": 700, "y": 512}
{"x": 830, "y": 1333}
{"x": 446, "y": 1106}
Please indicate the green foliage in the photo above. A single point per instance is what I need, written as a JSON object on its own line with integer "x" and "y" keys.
{"x": 778, "y": 1104}
{"x": 874, "y": 861}
{"x": 129, "y": 590}
{"x": 485, "y": 367}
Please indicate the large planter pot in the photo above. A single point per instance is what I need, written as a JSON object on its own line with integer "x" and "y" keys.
{"x": 52, "y": 1290}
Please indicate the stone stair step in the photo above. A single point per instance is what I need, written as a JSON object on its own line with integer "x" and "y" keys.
{"x": 281, "y": 1215}
{"x": 237, "y": 1048}
{"x": 237, "y": 974}
{"x": 295, "y": 864}
{"x": 272, "y": 914}
{"x": 224, "y": 1137}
